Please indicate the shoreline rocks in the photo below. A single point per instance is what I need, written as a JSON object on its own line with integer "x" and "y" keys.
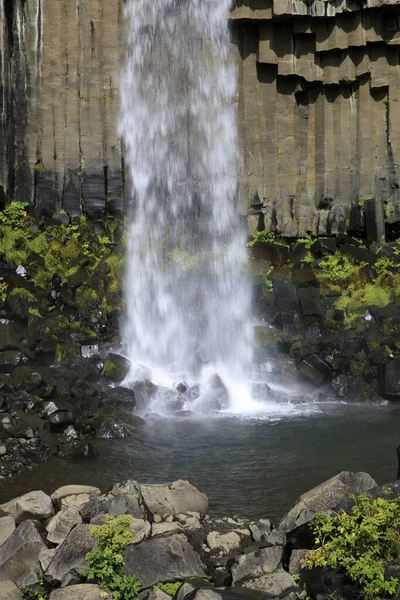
{"x": 175, "y": 541}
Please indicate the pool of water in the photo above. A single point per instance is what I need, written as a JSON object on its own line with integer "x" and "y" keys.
{"x": 254, "y": 466}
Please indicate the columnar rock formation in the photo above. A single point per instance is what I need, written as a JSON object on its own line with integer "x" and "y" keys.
{"x": 319, "y": 97}
{"x": 320, "y": 88}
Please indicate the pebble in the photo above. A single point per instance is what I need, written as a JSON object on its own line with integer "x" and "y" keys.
{"x": 3, "y": 450}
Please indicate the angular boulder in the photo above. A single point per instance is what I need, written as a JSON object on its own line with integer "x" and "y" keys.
{"x": 20, "y": 552}
{"x": 7, "y": 526}
{"x": 33, "y": 505}
{"x": 69, "y": 560}
{"x": 227, "y": 542}
{"x": 328, "y": 495}
{"x": 61, "y": 524}
{"x": 72, "y": 490}
{"x": 256, "y": 564}
{"x": 277, "y": 584}
{"x": 174, "y": 498}
{"x": 163, "y": 559}
{"x": 85, "y": 591}
{"x": 9, "y": 591}
{"x": 204, "y": 591}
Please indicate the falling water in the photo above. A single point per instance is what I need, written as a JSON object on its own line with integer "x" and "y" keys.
{"x": 188, "y": 299}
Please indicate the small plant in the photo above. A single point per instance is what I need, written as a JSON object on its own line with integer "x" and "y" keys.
{"x": 39, "y": 168}
{"x": 22, "y": 293}
{"x": 361, "y": 543}
{"x": 266, "y": 237}
{"x": 106, "y": 562}
{"x": 33, "y": 594}
{"x": 170, "y": 588}
{"x": 3, "y": 290}
{"x": 307, "y": 242}
{"x": 13, "y": 213}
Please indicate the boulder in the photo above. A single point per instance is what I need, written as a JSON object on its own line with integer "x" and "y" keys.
{"x": 9, "y": 591}
{"x": 116, "y": 367}
{"x": 69, "y": 560}
{"x": 328, "y": 495}
{"x": 72, "y": 490}
{"x": 33, "y": 505}
{"x": 391, "y": 377}
{"x": 230, "y": 541}
{"x": 85, "y": 591}
{"x": 174, "y": 498}
{"x": 260, "y": 530}
{"x": 295, "y": 559}
{"x": 166, "y": 528}
{"x": 115, "y": 505}
{"x": 277, "y": 584}
{"x": 20, "y": 552}
{"x": 315, "y": 369}
{"x": 61, "y": 524}
{"x": 7, "y": 526}
{"x": 144, "y": 392}
{"x": 163, "y": 559}
{"x": 256, "y": 564}
{"x": 203, "y": 591}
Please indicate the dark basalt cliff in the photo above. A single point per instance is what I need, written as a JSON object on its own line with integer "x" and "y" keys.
{"x": 318, "y": 109}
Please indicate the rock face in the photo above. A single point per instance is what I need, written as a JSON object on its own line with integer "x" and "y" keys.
{"x": 21, "y": 551}
{"x": 319, "y": 90}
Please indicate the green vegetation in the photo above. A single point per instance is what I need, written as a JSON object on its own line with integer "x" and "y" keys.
{"x": 267, "y": 237}
{"x": 170, "y": 588}
{"x": 361, "y": 543}
{"x": 34, "y": 594}
{"x": 106, "y": 561}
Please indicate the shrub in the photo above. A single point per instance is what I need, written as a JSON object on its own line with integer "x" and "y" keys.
{"x": 106, "y": 563}
{"x": 361, "y": 543}
{"x": 266, "y": 237}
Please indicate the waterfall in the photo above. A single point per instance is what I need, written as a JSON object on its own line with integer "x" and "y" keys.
{"x": 188, "y": 298}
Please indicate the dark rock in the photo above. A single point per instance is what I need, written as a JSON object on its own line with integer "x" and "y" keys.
{"x": 285, "y": 293}
{"x": 359, "y": 254}
{"x": 315, "y": 369}
{"x": 310, "y": 302}
{"x": 82, "y": 452}
{"x": 9, "y": 359}
{"x": 26, "y": 378}
{"x": 298, "y": 252}
{"x": 390, "y": 379}
{"x": 59, "y": 419}
{"x": 374, "y": 219}
{"x": 10, "y": 335}
{"x": 144, "y": 393}
{"x": 27, "y": 426}
{"x": 20, "y": 551}
{"x": 122, "y": 395}
{"x": 353, "y": 388}
{"x": 163, "y": 559}
{"x": 323, "y": 246}
{"x": 116, "y": 367}
{"x": 69, "y": 559}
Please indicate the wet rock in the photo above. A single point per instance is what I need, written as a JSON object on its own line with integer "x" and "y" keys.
{"x": 256, "y": 564}
{"x": 9, "y": 359}
{"x": 353, "y": 389}
{"x": 20, "y": 551}
{"x": 315, "y": 369}
{"x": 9, "y": 591}
{"x": 27, "y": 426}
{"x": 84, "y": 591}
{"x": 323, "y": 246}
{"x": 163, "y": 559}
{"x": 26, "y": 378}
{"x": 69, "y": 559}
{"x": 58, "y": 420}
{"x": 61, "y": 524}
{"x": 328, "y": 495}
{"x": 390, "y": 380}
{"x": 144, "y": 393}
{"x": 177, "y": 497}
{"x": 82, "y": 452}
{"x": 33, "y": 505}
{"x": 116, "y": 367}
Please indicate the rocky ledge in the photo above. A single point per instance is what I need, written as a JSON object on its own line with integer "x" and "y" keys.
{"x": 44, "y": 541}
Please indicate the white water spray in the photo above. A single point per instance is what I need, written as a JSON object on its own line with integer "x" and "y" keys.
{"x": 188, "y": 299}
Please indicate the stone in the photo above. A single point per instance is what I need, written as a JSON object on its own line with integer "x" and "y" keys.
{"x": 115, "y": 505}
{"x": 174, "y": 498}
{"x": 72, "y": 490}
{"x": 328, "y": 495}
{"x": 69, "y": 558}
{"x": 260, "y": 530}
{"x": 9, "y": 591}
{"x": 7, "y": 526}
{"x": 315, "y": 369}
{"x": 295, "y": 559}
{"x": 20, "y": 552}
{"x": 30, "y": 578}
{"x": 391, "y": 377}
{"x": 144, "y": 392}
{"x": 3, "y": 450}
{"x": 203, "y": 591}
{"x": 166, "y": 528}
{"x": 277, "y": 584}
{"x": 85, "y": 591}
{"x": 163, "y": 559}
{"x": 256, "y": 564}
{"x": 45, "y": 557}
{"x": 116, "y": 367}
{"x": 33, "y": 505}
{"x": 227, "y": 542}
{"x": 141, "y": 529}
{"x": 61, "y": 524}
{"x": 157, "y": 594}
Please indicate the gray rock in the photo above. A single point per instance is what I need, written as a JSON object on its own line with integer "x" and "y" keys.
{"x": 3, "y": 450}
{"x": 46, "y": 556}
{"x": 84, "y": 591}
{"x": 9, "y": 591}
{"x": 166, "y": 528}
{"x": 20, "y": 552}
{"x": 260, "y": 530}
{"x": 204, "y": 591}
{"x": 174, "y": 498}
{"x": 70, "y": 556}
{"x": 227, "y": 542}
{"x": 276, "y": 584}
{"x": 61, "y": 524}
{"x": 295, "y": 559}
{"x": 157, "y": 594}
{"x": 163, "y": 559}
{"x": 256, "y": 564}
{"x": 7, "y": 526}
{"x": 33, "y": 505}
{"x": 72, "y": 490}
{"x": 277, "y": 538}
{"x": 115, "y": 505}
{"x": 30, "y": 578}
{"x": 330, "y": 494}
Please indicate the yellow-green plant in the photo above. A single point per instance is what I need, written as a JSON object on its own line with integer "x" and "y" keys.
{"x": 170, "y": 588}
{"x": 361, "y": 543}
{"x": 106, "y": 562}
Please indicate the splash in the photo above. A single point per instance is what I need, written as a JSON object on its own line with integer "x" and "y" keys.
{"x": 188, "y": 298}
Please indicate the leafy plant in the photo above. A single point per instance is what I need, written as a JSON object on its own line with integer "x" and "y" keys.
{"x": 3, "y": 290}
{"x": 170, "y": 588}
{"x": 13, "y": 213}
{"x": 361, "y": 543}
{"x": 34, "y": 594}
{"x": 266, "y": 237}
{"x": 106, "y": 563}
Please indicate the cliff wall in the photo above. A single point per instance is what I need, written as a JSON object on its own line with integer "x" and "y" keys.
{"x": 318, "y": 106}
